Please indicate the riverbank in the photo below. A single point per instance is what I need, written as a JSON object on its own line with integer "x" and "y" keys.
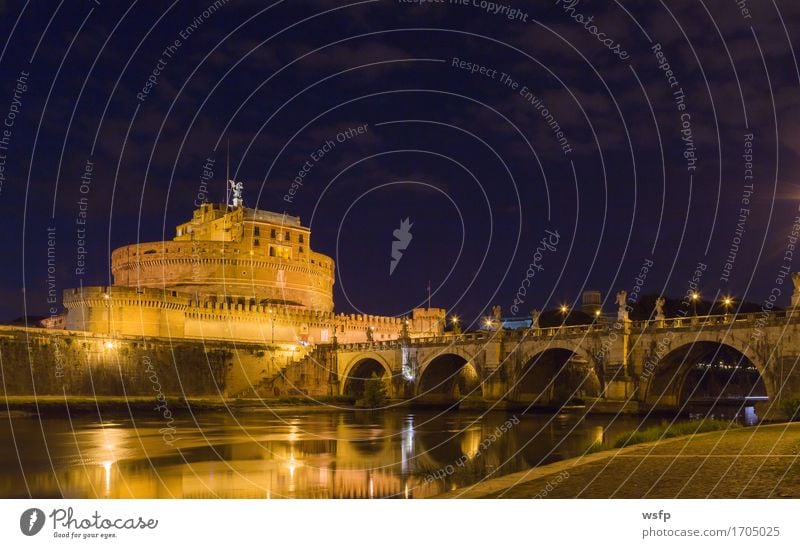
{"x": 50, "y": 405}
{"x": 753, "y": 462}
{"x": 58, "y": 405}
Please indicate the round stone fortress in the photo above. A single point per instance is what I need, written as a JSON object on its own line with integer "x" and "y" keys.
{"x": 262, "y": 257}
{"x": 232, "y": 273}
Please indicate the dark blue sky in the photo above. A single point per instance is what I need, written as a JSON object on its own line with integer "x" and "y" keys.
{"x": 469, "y": 158}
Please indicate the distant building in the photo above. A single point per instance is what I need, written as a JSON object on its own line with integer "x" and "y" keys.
{"x": 47, "y": 322}
{"x": 591, "y": 302}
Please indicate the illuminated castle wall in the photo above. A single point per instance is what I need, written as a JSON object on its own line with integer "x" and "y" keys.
{"x": 231, "y": 273}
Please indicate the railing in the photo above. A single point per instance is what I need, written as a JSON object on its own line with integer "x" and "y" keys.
{"x": 761, "y": 319}
{"x": 765, "y": 318}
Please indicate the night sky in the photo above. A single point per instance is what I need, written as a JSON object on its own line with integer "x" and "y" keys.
{"x": 692, "y": 163}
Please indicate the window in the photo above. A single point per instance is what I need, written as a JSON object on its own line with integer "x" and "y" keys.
{"x": 271, "y": 251}
{"x": 301, "y": 249}
{"x": 256, "y": 243}
{"x": 257, "y": 231}
{"x": 272, "y": 234}
{"x": 288, "y": 236}
{"x": 301, "y": 239}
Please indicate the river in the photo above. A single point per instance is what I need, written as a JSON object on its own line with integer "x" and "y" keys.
{"x": 299, "y": 454}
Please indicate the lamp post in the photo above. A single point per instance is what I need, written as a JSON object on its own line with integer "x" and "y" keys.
{"x": 695, "y": 298}
{"x": 565, "y": 311}
{"x": 456, "y": 325}
{"x": 727, "y": 302}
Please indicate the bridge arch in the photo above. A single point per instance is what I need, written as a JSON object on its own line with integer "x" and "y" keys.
{"x": 697, "y": 371}
{"x": 553, "y": 375}
{"x": 449, "y": 376}
{"x": 360, "y": 369}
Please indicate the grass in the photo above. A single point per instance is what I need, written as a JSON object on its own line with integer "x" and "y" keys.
{"x": 663, "y": 431}
{"x": 791, "y": 409}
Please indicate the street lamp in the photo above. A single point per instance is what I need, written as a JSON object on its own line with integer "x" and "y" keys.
{"x": 564, "y": 310}
{"x": 695, "y": 297}
{"x": 456, "y": 326}
{"x": 488, "y": 323}
{"x": 727, "y": 302}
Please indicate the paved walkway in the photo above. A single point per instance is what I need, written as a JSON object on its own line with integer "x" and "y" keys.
{"x": 756, "y": 462}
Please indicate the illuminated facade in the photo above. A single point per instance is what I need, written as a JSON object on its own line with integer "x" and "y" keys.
{"x": 233, "y": 273}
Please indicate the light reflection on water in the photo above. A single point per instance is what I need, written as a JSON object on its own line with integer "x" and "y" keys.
{"x": 309, "y": 455}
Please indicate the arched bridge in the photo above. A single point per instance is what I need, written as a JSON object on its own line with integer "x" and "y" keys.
{"x": 668, "y": 364}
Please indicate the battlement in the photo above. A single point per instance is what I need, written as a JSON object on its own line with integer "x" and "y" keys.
{"x": 118, "y": 311}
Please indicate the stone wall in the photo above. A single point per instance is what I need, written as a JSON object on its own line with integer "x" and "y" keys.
{"x": 57, "y": 362}
{"x": 147, "y": 312}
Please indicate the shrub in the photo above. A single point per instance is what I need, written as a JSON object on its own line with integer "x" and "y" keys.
{"x": 791, "y": 408}
{"x": 374, "y": 392}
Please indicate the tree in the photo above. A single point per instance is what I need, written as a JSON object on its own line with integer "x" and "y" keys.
{"x": 375, "y": 394}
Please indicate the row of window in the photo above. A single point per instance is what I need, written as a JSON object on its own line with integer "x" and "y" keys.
{"x": 283, "y": 252}
{"x": 273, "y": 233}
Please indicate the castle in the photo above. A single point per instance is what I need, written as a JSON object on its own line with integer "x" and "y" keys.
{"x": 231, "y": 273}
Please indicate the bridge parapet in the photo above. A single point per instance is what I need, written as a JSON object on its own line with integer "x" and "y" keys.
{"x": 751, "y": 319}
{"x": 368, "y": 346}
{"x": 726, "y": 321}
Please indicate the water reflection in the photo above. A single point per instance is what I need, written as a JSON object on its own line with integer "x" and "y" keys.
{"x": 310, "y": 455}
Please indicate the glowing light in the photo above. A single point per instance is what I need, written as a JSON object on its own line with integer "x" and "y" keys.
{"x": 564, "y": 308}
{"x": 109, "y": 345}
{"x": 107, "y": 468}
{"x": 695, "y": 296}
{"x": 454, "y": 319}
{"x": 292, "y": 465}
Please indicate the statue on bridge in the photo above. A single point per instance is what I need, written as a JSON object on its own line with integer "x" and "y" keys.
{"x": 660, "y": 309}
{"x": 622, "y": 298}
{"x": 535, "y": 318}
{"x": 497, "y": 312}
{"x": 796, "y": 293}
